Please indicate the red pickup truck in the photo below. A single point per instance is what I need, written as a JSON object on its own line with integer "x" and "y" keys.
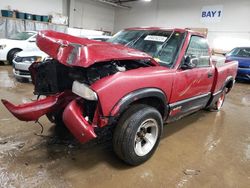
{"x": 139, "y": 79}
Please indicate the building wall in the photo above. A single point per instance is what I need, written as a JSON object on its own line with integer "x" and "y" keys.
{"x": 234, "y": 25}
{"x": 89, "y": 14}
{"x": 43, "y": 7}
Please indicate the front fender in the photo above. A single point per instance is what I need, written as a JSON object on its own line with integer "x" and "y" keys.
{"x": 145, "y": 93}
{"x": 114, "y": 88}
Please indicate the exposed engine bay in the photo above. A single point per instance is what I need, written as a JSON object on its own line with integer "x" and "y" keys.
{"x": 50, "y": 76}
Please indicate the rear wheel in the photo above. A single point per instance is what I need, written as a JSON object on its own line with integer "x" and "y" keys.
{"x": 11, "y": 55}
{"x": 137, "y": 134}
{"x": 219, "y": 103}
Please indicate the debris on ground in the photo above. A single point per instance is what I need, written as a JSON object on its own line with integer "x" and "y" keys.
{"x": 191, "y": 172}
{"x": 3, "y": 142}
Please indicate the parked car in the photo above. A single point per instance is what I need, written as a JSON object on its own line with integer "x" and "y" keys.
{"x": 23, "y": 60}
{"x": 160, "y": 76}
{"x": 242, "y": 55}
{"x": 20, "y": 41}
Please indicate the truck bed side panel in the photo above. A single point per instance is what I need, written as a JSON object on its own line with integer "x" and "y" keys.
{"x": 222, "y": 73}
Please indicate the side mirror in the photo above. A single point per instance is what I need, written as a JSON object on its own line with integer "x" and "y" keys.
{"x": 190, "y": 62}
{"x": 32, "y": 40}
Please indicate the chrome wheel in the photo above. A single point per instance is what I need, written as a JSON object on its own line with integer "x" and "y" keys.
{"x": 146, "y": 137}
{"x": 220, "y": 101}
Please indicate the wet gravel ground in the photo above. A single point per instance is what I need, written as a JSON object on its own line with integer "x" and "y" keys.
{"x": 206, "y": 149}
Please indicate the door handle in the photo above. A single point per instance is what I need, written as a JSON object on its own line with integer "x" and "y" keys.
{"x": 209, "y": 75}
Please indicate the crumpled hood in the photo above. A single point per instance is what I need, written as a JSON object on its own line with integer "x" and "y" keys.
{"x": 74, "y": 51}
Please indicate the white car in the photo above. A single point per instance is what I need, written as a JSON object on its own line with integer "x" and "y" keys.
{"x": 16, "y": 43}
{"x": 23, "y": 60}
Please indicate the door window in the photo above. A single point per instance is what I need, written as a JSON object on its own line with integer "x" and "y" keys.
{"x": 198, "y": 47}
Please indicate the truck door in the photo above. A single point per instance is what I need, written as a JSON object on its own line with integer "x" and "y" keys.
{"x": 192, "y": 85}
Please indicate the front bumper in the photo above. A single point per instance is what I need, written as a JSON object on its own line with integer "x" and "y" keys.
{"x": 21, "y": 69}
{"x": 21, "y": 74}
{"x": 82, "y": 130}
{"x": 243, "y": 74}
{"x": 73, "y": 117}
{"x": 32, "y": 111}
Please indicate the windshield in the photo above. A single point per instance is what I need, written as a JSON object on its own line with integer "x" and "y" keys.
{"x": 21, "y": 36}
{"x": 161, "y": 45}
{"x": 240, "y": 52}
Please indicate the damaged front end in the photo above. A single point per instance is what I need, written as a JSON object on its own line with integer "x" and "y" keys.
{"x": 65, "y": 80}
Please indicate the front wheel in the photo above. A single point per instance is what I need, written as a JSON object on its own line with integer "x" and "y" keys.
{"x": 137, "y": 134}
{"x": 11, "y": 55}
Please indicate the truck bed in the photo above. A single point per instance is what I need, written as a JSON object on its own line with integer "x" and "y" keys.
{"x": 223, "y": 71}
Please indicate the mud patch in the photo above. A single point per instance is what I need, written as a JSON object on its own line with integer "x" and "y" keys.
{"x": 10, "y": 148}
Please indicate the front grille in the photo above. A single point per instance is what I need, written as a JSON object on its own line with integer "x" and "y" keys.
{"x": 244, "y": 66}
{"x": 22, "y": 72}
{"x": 51, "y": 77}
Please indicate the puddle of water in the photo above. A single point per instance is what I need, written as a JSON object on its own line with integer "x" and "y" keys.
{"x": 147, "y": 175}
{"x": 245, "y": 100}
{"x": 247, "y": 152}
{"x": 5, "y": 80}
{"x": 5, "y": 119}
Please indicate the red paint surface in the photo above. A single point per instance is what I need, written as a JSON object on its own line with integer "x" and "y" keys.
{"x": 34, "y": 110}
{"x": 113, "y": 88}
{"x": 76, "y": 123}
{"x": 221, "y": 74}
{"x": 60, "y": 46}
{"x": 177, "y": 84}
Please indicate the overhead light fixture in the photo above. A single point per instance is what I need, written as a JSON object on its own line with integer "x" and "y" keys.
{"x": 147, "y": 0}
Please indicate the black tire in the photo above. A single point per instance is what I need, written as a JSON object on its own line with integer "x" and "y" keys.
{"x": 126, "y": 132}
{"x": 219, "y": 103}
{"x": 11, "y": 55}
{"x": 61, "y": 131}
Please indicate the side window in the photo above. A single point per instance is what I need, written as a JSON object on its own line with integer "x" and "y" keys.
{"x": 198, "y": 47}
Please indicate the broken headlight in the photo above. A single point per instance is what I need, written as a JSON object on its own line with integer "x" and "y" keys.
{"x": 84, "y": 91}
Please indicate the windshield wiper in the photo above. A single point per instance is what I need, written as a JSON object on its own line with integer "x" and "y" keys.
{"x": 164, "y": 44}
{"x": 134, "y": 41}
